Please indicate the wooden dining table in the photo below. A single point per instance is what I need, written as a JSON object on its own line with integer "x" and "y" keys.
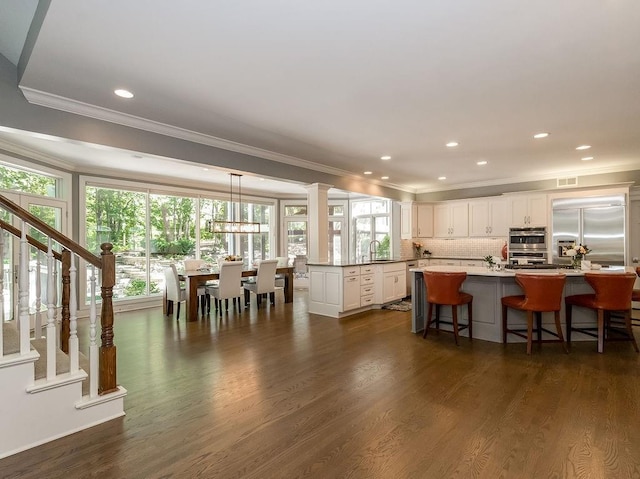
{"x": 195, "y": 278}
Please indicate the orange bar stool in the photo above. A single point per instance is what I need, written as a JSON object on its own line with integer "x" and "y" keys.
{"x": 613, "y": 293}
{"x": 542, "y": 294}
{"x": 635, "y": 296}
{"x": 444, "y": 289}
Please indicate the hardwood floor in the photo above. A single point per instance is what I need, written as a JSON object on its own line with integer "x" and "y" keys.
{"x": 282, "y": 394}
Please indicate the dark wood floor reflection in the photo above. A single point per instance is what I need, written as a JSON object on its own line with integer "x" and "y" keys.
{"x": 282, "y": 394}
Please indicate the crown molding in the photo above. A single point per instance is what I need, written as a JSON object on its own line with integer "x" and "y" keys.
{"x": 38, "y": 97}
{"x": 36, "y": 155}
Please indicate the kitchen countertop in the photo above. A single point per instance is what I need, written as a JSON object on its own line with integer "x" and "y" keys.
{"x": 346, "y": 264}
{"x": 505, "y": 273}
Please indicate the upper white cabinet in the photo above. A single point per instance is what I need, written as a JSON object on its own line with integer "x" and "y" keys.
{"x": 451, "y": 219}
{"x": 416, "y": 220}
{"x": 488, "y": 217}
{"x": 528, "y": 210}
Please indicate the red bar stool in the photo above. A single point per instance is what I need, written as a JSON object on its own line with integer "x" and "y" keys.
{"x": 542, "y": 294}
{"x": 444, "y": 289}
{"x": 613, "y": 293}
{"x": 635, "y": 296}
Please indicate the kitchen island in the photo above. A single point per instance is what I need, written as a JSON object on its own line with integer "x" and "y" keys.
{"x": 488, "y": 287}
{"x": 341, "y": 288}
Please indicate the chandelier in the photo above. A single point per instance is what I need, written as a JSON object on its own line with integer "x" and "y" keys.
{"x": 233, "y": 226}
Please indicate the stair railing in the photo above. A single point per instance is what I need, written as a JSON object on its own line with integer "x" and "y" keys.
{"x": 102, "y": 359}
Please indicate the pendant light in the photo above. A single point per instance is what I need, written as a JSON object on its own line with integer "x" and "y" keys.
{"x": 233, "y": 226}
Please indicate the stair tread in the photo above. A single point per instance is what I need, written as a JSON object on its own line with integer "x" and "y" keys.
{"x": 62, "y": 362}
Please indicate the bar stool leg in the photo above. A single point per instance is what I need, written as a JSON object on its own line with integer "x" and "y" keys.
{"x": 470, "y": 316}
{"x": 539, "y": 326}
{"x": 568, "y": 321}
{"x": 600, "y": 331}
{"x": 454, "y": 311}
{"x": 504, "y": 324}
{"x": 529, "y": 330}
{"x": 627, "y": 322}
{"x": 556, "y": 315}
{"x": 426, "y": 327}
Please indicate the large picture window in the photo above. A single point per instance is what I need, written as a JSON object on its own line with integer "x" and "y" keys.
{"x": 149, "y": 231}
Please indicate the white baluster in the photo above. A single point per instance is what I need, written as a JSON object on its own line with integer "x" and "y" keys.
{"x": 1, "y": 291}
{"x": 37, "y": 329}
{"x": 73, "y": 318}
{"x": 93, "y": 339}
{"x": 51, "y": 320}
{"x": 24, "y": 326}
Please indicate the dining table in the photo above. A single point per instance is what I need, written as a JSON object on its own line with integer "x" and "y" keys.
{"x": 197, "y": 277}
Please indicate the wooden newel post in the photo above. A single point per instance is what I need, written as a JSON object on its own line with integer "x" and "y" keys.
{"x": 66, "y": 295}
{"x": 107, "y": 381}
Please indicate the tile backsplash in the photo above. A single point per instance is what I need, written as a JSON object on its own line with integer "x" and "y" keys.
{"x": 455, "y": 248}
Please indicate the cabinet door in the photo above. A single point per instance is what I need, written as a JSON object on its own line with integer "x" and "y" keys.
{"x": 394, "y": 286}
{"x": 518, "y": 211}
{"x": 538, "y": 210}
{"x": 479, "y": 218}
{"x": 424, "y": 218}
{"x": 400, "y": 286}
{"x": 351, "y": 293}
{"x": 407, "y": 220}
{"x": 499, "y": 224}
{"x": 460, "y": 219}
{"x": 441, "y": 221}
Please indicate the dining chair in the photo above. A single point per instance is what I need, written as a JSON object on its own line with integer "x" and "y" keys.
{"x": 283, "y": 262}
{"x": 542, "y": 294}
{"x": 228, "y": 285}
{"x": 444, "y": 289}
{"x": 176, "y": 293}
{"x": 265, "y": 282}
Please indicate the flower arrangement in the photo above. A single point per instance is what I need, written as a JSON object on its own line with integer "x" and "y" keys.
{"x": 577, "y": 252}
{"x": 418, "y": 247}
{"x": 233, "y": 257}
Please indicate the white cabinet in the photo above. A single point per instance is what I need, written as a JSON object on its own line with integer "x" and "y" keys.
{"x": 451, "y": 220}
{"x": 488, "y": 217}
{"x": 351, "y": 293}
{"x": 423, "y": 263}
{"x": 391, "y": 283}
{"x": 528, "y": 210}
{"x": 416, "y": 220}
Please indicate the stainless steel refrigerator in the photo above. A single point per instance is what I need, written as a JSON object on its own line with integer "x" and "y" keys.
{"x": 598, "y": 222}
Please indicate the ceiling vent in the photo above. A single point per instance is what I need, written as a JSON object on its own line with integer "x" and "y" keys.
{"x": 568, "y": 181}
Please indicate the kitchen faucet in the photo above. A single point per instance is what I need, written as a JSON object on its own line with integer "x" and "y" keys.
{"x": 372, "y": 249}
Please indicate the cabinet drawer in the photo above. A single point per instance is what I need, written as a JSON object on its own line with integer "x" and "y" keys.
{"x": 352, "y": 279}
{"x": 351, "y": 271}
{"x": 366, "y": 300}
{"x": 366, "y": 290}
{"x": 369, "y": 269}
{"x": 366, "y": 279}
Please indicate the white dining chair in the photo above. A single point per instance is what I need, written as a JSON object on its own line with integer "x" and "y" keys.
{"x": 283, "y": 262}
{"x": 228, "y": 285}
{"x": 176, "y": 293}
{"x": 265, "y": 282}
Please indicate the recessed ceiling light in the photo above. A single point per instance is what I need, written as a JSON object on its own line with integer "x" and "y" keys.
{"x": 583, "y": 147}
{"x": 385, "y": 157}
{"x": 261, "y": 179}
{"x": 442, "y": 177}
{"x": 205, "y": 169}
{"x": 367, "y": 172}
{"x": 452, "y": 144}
{"x": 482, "y": 163}
{"x": 541, "y": 135}
{"x": 137, "y": 156}
{"x": 587, "y": 158}
{"x": 384, "y": 177}
{"x": 123, "y": 93}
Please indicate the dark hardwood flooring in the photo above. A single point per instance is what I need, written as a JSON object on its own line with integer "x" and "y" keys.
{"x": 280, "y": 393}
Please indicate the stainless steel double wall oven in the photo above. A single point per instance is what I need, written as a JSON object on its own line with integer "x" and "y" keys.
{"x": 528, "y": 245}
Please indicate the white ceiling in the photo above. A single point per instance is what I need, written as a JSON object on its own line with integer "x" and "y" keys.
{"x": 341, "y": 83}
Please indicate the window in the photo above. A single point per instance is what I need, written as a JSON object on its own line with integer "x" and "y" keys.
{"x": 15, "y": 179}
{"x": 371, "y": 221}
{"x": 151, "y": 230}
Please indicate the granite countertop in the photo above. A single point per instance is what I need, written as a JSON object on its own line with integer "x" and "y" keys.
{"x": 347, "y": 263}
{"x": 483, "y": 271}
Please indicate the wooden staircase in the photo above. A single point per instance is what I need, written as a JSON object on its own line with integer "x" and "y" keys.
{"x": 49, "y": 389}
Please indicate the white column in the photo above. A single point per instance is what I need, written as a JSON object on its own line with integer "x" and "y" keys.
{"x": 318, "y": 222}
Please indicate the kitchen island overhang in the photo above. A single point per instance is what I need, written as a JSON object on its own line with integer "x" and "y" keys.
{"x": 488, "y": 287}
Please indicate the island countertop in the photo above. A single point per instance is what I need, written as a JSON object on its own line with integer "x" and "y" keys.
{"x": 509, "y": 273}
